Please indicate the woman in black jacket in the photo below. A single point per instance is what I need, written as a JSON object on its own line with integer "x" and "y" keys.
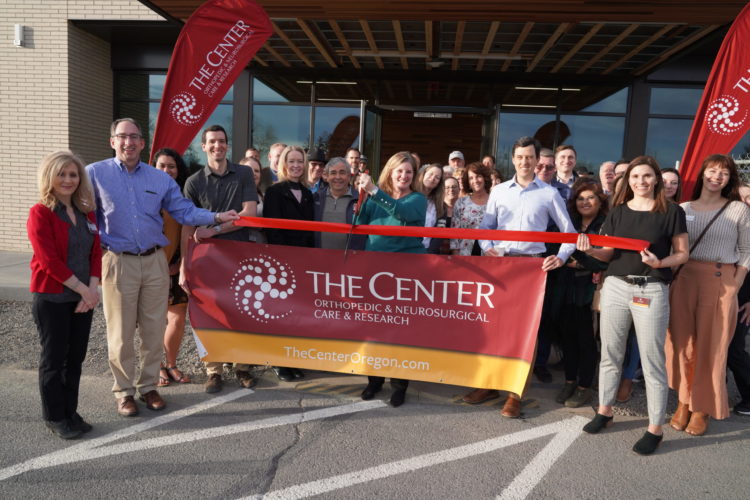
{"x": 290, "y": 199}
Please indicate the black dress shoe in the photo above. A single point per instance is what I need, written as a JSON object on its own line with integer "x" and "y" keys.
{"x": 370, "y": 391}
{"x": 284, "y": 374}
{"x": 62, "y": 429}
{"x": 398, "y": 397}
{"x": 297, "y": 373}
{"x": 543, "y": 374}
{"x": 77, "y": 422}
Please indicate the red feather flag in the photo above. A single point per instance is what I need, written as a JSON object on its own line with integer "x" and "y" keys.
{"x": 214, "y": 46}
{"x": 723, "y": 116}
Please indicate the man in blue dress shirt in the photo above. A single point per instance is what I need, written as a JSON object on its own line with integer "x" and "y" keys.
{"x": 130, "y": 196}
{"x": 524, "y": 203}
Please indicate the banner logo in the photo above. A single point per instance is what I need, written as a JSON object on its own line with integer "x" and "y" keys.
{"x": 721, "y": 113}
{"x": 181, "y": 107}
{"x": 261, "y": 286}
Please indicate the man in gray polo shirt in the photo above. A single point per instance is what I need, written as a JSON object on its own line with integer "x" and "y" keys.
{"x": 221, "y": 184}
{"x": 335, "y": 203}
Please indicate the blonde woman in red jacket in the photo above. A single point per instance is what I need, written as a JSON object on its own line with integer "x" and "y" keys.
{"x": 65, "y": 272}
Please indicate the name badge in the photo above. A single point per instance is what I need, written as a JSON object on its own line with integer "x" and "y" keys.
{"x": 92, "y": 227}
{"x": 641, "y": 302}
{"x": 690, "y": 218}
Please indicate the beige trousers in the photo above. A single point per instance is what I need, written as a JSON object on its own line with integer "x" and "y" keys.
{"x": 135, "y": 291}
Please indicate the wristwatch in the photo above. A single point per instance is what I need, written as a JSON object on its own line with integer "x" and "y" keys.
{"x": 216, "y": 218}
{"x": 217, "y": 228}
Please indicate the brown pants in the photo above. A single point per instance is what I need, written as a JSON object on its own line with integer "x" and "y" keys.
{"x": 703, "y": 301}
{"x": 135, "y": 291}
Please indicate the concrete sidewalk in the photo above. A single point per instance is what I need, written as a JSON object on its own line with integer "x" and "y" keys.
{"x": 15, "y": 275}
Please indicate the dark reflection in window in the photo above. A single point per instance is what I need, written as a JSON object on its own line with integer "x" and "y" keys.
{"x": 596, "y": 138}
{"x": 336, "y": 129}
{"x": 666, "y": 139}
{"x": 262, "y": 92}
{"x": 615, "y": 103}
{"x": 287, "y": 124}
{"x": 674, "y": 101}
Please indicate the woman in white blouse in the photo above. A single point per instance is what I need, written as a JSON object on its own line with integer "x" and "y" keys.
{"x": 704, "y": 296}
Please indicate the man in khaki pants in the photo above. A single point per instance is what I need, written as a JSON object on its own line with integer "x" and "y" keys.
{"x": 130, "y": 195}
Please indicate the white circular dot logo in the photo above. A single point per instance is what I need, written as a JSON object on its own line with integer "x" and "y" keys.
{"x": 261, "y": 287}
{"x": 723, "y": 114}
{"x": 182, "y": 107}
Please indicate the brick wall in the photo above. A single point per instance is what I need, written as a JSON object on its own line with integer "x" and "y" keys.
{"x": 55, "y": 93}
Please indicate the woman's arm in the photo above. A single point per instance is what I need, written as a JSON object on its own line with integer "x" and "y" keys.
{"x": 603, "y": 254}
{"x": 679, "y": 255}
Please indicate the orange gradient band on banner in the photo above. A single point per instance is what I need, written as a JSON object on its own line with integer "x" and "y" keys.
{"x": 428, "y": 365}
{"x": 438, "y": 232}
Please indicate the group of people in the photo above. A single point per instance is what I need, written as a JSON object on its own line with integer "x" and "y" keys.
{"x": 127, "y": 225}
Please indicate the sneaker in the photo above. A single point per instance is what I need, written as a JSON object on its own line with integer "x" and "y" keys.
{"x": 580, "y": 397}
{"x": 567, "y": 390}
{"x": 742, "y": 408}
{"x": 62, "y": 429}
{"x": 245, "y": 379}
{"x": 213, "y": 384}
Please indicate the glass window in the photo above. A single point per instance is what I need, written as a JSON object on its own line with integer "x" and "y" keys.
{"x": 336, "y": 129}
{"x": 262, "y": 92}
{"x": 287, "y": 124}
{"x": 615, "y": 103}
{"x": 666, "y": 139}
{"x": 674, "y": 101}
{"x": 596, "y": 138}
{"x": 516, "y": 125}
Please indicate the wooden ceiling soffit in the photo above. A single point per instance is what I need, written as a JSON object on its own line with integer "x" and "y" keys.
{"x": 519, "y": 42}
{"x": 260, "y": 60}
{"x": 639, "y": 48}
{"x": 606, "y": 50}
{"x": 547, "y": 45}
{"x": 487, "y": 46}
{"x": 460, "y": 27}
{"x": 276, "y": 55}
{"x": 371, "y": 42}
{"x": 573, "y": 51}
{"x": 315, "y": 37}
{"x": 400, "y": 43}
{"x": 344, "y": 43}
{"x": 675, "y": 49}
{"x": 280, "y": 33}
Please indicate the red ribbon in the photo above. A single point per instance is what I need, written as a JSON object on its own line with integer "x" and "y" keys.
{"x": 439, "y": 232}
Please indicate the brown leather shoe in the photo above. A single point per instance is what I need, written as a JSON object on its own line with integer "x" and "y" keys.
{"x": 153, "y": 401}
{"x": 680, "y": 418}
{"x": 126, "y": 406}
{"x": 511, "y": 408}
{"x": 698, "y": 424}
{"x": 480, "y": 396}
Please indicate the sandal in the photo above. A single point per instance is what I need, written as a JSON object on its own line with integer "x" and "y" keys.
{"x": 163, "y": 377}
{"x": 176, "y": 375}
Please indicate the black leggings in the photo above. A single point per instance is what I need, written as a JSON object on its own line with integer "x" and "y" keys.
{"x": 579, "y": 344}
{"x": 739, "y": 361}
{"x": 396, "y": 383}
{"x": 64, "y": 336}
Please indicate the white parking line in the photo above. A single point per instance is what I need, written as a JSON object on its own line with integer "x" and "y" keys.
{"x": 565, "y": 432}
{"x": 92, "y": 449}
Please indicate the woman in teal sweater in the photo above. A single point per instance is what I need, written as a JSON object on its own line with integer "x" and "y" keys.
{"x": 393, "y": 202}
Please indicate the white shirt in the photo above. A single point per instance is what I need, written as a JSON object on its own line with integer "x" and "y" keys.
{"x": 514, "y": 208}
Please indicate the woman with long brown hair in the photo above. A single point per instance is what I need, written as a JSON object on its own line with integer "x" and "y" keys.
{"x": 705, "y": 293}
{"x": 635, "y": 291}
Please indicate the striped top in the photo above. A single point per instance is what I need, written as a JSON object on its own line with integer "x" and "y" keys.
{"x": 727, "y": 240}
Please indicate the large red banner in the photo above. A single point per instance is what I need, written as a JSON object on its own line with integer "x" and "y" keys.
{"x": 214, "y": 46}
{"x": 463, "y": 320}
{"x": 722, "y": 118}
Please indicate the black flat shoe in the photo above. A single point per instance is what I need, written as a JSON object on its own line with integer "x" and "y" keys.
{"x": 297, "y": 373}
{"x": 78, "y": 423}
{"x": 370, "y": 391}
{"x": 598, "y": 423}
{"x": 284, "y": 374}
{"x": 398, "y": 397}
{"x": 62, "y": 429}
{"x": 647, "y": 444}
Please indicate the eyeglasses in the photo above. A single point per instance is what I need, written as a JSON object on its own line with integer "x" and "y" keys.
{"x": 548, "y": 168}
{"x": 124, "y": 137}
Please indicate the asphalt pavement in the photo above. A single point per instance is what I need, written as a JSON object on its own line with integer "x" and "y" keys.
{"x": 316, "y": 438}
